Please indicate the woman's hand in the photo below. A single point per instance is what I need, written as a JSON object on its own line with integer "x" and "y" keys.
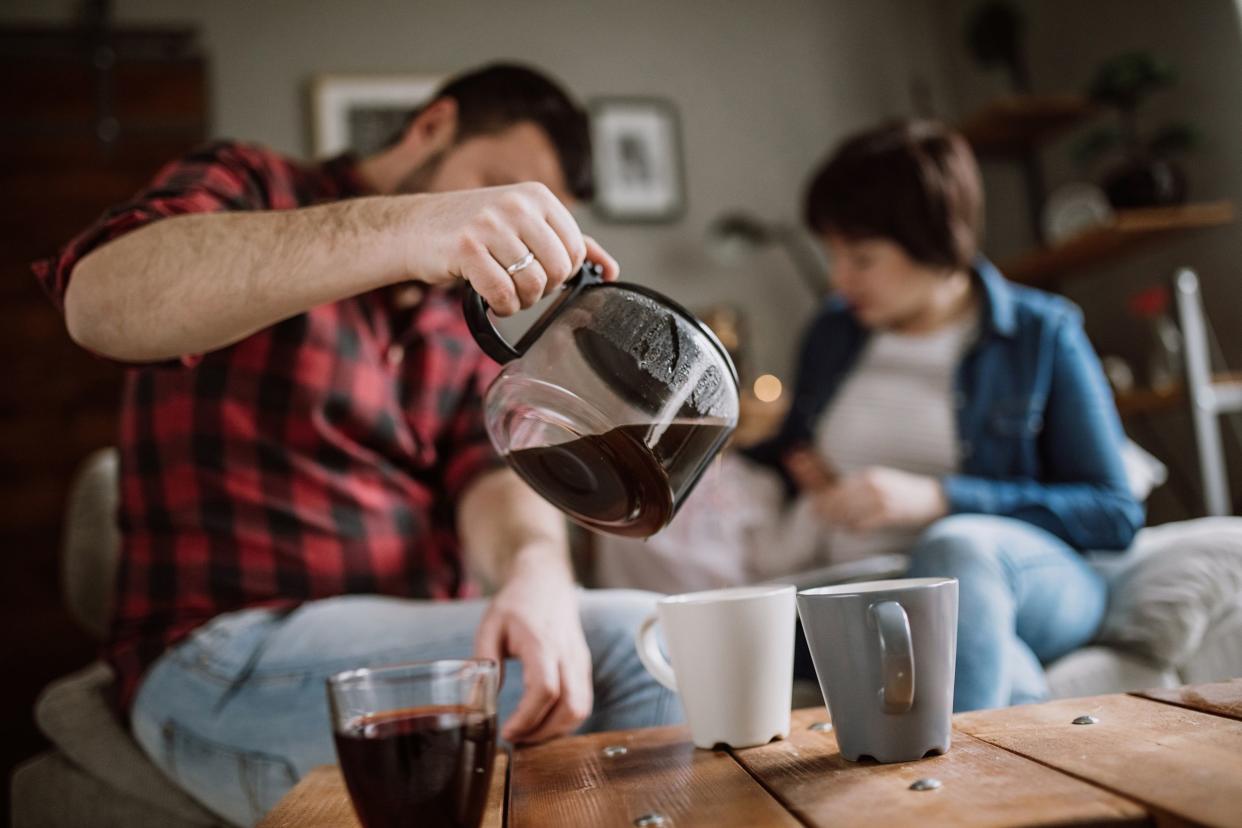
{"x": 880, "y": 498}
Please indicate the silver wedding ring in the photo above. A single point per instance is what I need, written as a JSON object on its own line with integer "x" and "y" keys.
{"x": 521, "y": 264}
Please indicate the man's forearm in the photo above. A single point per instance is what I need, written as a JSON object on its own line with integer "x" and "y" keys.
{"x": 509, "y": 531}
{"x": 198, "y": 282}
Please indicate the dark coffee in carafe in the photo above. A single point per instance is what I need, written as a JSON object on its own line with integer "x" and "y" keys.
{"x": 625, "y": 481}
{"x": 612, "y": 404}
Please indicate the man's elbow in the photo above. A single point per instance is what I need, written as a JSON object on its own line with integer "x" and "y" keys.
{"x": 83, "y": 316}
{"x": 91, "y": 317}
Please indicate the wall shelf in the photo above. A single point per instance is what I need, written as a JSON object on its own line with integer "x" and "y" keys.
{"x": 1128, "y": 229}
{"x": 1010, "y": 126}
{"x": 1142, "y": 401}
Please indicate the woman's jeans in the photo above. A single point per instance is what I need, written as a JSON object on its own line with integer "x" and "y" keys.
{"x": 1026, "y": 598}
{"x": 238, "y": 712}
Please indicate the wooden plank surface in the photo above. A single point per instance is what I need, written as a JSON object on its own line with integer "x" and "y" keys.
{"x": 981, "y": 785}
{"x": 572, "y": 782}
{"x": 1223, "y": 698}
{"x": 321, "y": 800}
{"x": 1182, "y": 764}
{"x": 497, "y": 794}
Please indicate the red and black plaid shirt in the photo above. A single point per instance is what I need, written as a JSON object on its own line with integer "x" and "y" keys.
{"x": 320, "y": 457}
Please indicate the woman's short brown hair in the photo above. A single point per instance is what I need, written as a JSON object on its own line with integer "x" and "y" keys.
{"x": 915, "y": 183}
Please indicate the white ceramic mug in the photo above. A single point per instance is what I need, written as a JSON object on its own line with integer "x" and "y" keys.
{"x": 732, "y": 661}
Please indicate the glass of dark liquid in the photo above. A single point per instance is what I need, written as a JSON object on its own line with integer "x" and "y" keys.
{"x": 416, "y": 741}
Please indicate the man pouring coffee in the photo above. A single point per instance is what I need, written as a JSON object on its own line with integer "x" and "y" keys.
{"x": 305, "y": 478}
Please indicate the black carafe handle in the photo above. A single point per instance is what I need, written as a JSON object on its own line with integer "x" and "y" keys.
{"x": 493, "y": 343}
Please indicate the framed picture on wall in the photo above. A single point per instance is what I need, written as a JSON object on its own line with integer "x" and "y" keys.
{"x": 636, "y": 144}
{"x": 363, "y": 112}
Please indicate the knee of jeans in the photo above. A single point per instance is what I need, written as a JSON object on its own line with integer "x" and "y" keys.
{"x": 616, "y": 612}
{"x": 956, "y": 545}
{"x": 610, "y": 621}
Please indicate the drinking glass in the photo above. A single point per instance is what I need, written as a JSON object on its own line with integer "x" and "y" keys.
{"x": 416, "y": 741}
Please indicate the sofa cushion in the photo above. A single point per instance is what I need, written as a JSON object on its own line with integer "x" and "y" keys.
{"x": 91, "y": 542}
{"x": 49, "y": 791}
{"x": 1096, "y": 671}
{"x": 1144, "y": 471}
{"x": 1219, "y": 657}
{"x": 1171, "y": 586}
{"x": 76, "y": 715}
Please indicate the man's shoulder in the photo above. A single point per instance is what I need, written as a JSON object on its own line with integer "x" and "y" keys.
{"x": 252, "y": 175}
{"x": 249, "y": 162}
{"x": 240, "y": 154}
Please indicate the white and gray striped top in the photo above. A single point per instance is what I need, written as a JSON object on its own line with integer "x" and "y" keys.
{"x": 896, "y": 409}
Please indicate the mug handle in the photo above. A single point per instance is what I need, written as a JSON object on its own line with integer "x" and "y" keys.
{"x": 896, "y": 655}
{"x": 651, "y": 656}
{"x": 493, "y": 342}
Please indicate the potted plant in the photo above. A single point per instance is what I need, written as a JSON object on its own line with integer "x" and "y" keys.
{"x": 1144, "y": 173}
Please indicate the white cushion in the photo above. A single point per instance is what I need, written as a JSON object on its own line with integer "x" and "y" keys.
{"x": 1170, "y": 587}
{"x": 1143, "y": 471}
{"x": 1096, "y": 671}
{"x": 1219, "y": 657}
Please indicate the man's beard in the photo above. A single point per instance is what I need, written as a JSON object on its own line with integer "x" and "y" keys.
{"x": 419, "y": 179}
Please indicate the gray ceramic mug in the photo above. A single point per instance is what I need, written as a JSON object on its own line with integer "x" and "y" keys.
{"x": 885, "y": 652}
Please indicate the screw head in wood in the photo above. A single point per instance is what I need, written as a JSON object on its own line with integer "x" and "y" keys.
{"x": 647, "y": 820}
{"x": 821, "y": 727}
{"x": 1086, "y": 720}
{"x": 615, "y": 750}
{"x": 927, "y": 784}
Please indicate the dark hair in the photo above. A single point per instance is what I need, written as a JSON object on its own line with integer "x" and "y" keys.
{"x": 915, "y": 183}
{"x": 496, "y": 97}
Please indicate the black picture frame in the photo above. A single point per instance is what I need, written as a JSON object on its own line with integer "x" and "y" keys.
{"x": 638, "y": 160}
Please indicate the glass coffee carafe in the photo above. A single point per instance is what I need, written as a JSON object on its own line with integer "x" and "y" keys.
{"x": 612, "y": 404}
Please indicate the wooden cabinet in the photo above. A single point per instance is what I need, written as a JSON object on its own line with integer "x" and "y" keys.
{"x": 89, "y": 117}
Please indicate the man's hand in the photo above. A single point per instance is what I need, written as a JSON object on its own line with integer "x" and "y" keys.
{"x": 476, "y": 234}
{"x": 534, "y": 618}
{"x": 879, "y": 498}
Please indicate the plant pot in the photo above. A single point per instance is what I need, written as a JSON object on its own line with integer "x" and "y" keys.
{"x": 1145, "y": 182}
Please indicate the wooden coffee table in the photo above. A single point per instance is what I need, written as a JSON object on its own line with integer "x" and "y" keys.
{"x": 1162, "y": 757}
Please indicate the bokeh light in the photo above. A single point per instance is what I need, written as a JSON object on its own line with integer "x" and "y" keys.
{"x": 767, "y": 388}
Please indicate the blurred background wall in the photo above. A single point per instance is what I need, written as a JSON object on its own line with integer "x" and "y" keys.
{"x": 762, "y": 90}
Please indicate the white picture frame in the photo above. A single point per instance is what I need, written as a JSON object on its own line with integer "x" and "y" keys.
{"x": 636, "y": 146}
{"x": 359, "y": 113}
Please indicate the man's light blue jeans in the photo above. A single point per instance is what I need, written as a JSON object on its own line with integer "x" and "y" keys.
{"x": 237, "y": 713}
{"x": 1026, "y": 598}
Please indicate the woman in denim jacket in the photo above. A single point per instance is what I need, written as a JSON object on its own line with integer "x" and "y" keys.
{"x": 943, "y": 411}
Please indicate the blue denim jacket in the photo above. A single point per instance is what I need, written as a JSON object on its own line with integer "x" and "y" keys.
{"x": 1039, "y": 438}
